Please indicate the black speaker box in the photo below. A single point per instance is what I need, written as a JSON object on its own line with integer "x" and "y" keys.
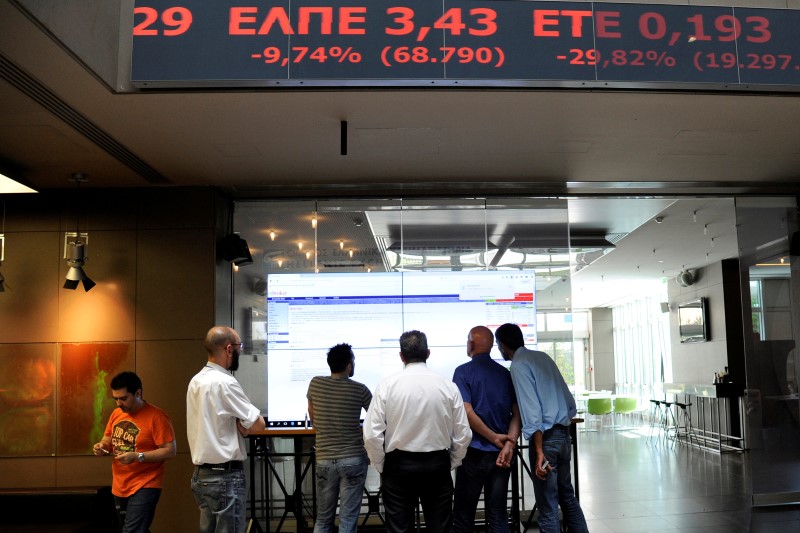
{"x": 235, "y": 250}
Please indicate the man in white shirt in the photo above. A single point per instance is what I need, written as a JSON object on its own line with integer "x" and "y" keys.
{"x": 416, "y": 431}
{"x": 218, "y": 415}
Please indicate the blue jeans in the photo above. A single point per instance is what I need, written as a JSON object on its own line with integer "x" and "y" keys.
{"x": 556, "y": 489}
{"x": 479, "y": 472}
{"x": 222, "y": 497}
{"x": 339, "y": 480}
{"x": 136, "y": 512}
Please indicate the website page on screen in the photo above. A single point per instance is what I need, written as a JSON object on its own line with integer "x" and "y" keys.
{"x": 309, "y": 313}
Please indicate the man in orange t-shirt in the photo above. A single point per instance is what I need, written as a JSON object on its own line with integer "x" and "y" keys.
{"x": 140, "y": 438}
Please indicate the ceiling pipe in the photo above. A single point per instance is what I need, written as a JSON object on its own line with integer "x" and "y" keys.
{"x": 503, "y": 243}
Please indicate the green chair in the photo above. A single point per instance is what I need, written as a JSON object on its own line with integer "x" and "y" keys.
{"x": 598, "y": 407}
{"x": 623, "y": 406}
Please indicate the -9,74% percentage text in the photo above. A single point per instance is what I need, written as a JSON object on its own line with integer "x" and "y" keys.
{"x": 321, "y": 54}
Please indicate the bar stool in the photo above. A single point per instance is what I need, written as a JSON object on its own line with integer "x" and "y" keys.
{"x": 688, "y": 428}
{"x": 655, "y": 414}
{"x": 666, "y": 427}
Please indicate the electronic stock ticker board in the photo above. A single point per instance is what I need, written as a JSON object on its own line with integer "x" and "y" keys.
{"x": 213, "y": 43}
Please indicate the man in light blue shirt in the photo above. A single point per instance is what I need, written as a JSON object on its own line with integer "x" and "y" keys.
{"x": 547, "y": 408}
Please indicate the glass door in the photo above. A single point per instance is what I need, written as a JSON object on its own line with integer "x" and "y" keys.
{"x": 770, "y": 283}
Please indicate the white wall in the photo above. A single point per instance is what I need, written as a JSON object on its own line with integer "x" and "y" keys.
{"x": 697, "y": 362}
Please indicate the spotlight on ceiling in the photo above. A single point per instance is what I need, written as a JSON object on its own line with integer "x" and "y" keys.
{"x": 235, "y": 250}
{"x": 75, "y": 275}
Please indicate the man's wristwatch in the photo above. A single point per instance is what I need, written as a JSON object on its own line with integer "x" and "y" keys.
{"x": 140, "y": 457}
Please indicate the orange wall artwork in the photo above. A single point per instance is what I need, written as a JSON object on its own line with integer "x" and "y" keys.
{"x": 27, "y": 400}
{"x": 84, "y": 396}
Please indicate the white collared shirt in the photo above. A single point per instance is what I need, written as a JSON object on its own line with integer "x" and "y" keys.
{"x": 214, "y": 402}
{"x": 416, "y": 410}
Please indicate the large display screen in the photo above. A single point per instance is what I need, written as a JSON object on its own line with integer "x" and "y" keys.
{"x": 471, "y": 42}
{"x": 309, "y": 313}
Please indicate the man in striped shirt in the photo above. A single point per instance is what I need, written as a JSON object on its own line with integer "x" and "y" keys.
{"x": 334, "y": 408}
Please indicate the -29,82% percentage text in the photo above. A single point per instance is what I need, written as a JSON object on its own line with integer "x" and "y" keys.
{"x": 321, "y": 54}
{"x": 619, "y": 58}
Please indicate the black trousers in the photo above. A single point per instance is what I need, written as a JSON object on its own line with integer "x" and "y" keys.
{"x": 423, "y": 477}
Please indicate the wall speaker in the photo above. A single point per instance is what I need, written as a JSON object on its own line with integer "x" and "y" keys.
{"x": 685, "y": 279}
{"x": 665, "y": 307}
{"x": 260, "y": 287}
{"x": 235, "y": 250}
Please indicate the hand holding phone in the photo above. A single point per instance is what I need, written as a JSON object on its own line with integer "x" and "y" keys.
{"x": 100, "y": 449}
{"x": 545, "y": 464}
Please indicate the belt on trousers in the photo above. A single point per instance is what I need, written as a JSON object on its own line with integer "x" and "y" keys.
{"x": 557, "y": 427}
{"x": 230, "y": 465}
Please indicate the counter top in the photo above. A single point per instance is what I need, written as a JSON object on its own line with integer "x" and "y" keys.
{"x": 718, "y": 390}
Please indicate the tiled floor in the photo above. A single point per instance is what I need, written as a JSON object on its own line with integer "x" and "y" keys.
{"x": 629, "y": 483}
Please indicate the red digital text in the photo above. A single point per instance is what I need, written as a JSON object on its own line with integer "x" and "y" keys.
{"x": 314, "y": 20}
{"x": 547, "y": 23}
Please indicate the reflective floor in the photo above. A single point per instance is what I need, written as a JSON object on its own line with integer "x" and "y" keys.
{"x": 631, "y": 483}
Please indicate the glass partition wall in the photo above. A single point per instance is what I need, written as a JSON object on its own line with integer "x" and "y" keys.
{"x": 328, "y": 238}
{"x": 769, "y": 244}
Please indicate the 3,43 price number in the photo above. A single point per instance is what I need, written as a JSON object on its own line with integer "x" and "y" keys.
{"x": 483, "y": 23}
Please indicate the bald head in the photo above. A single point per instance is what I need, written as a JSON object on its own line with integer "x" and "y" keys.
{"x": 480, "y": 340}
{"x": 223, "y": 344}
{"x": 218, "y": 338}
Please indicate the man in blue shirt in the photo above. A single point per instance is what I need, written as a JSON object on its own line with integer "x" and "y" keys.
{"x": 491, "y": 406}
{"x": 547, "y": 409}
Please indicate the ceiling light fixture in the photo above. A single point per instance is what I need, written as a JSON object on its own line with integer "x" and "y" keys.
{"x": 272, "y": 235}
{"x": 76, "y": 257}
{"x": 10, "y": 185}
{"x": 75, "y": 251}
